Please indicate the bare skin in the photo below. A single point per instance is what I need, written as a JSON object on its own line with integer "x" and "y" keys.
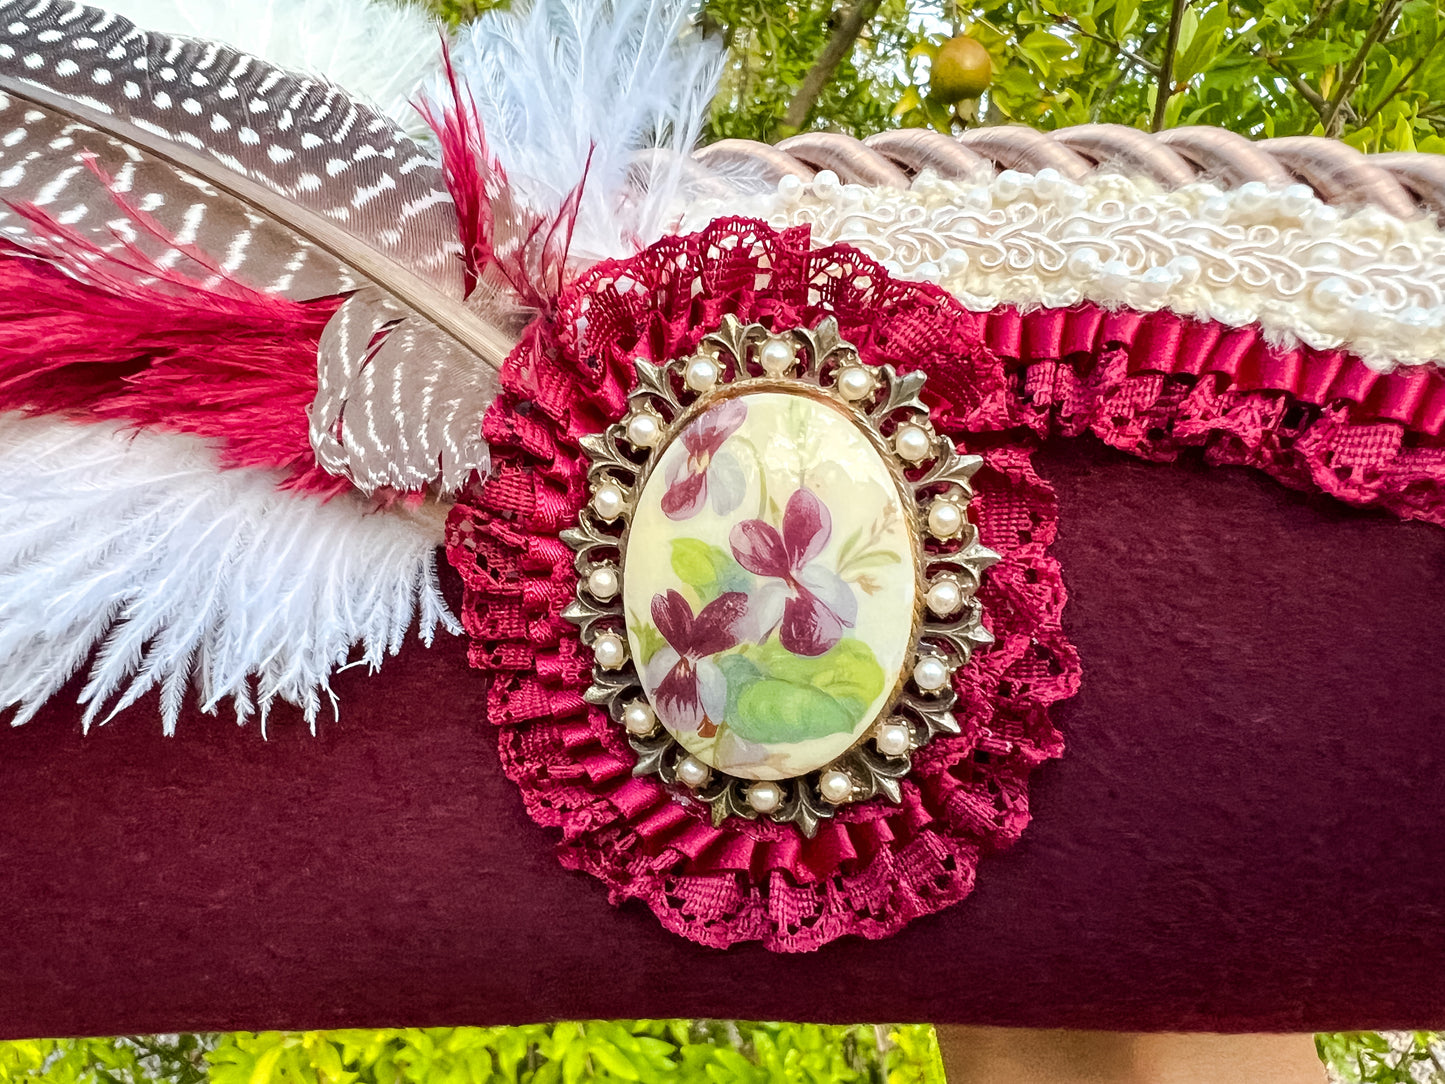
{"x": 1026, "y": 1056}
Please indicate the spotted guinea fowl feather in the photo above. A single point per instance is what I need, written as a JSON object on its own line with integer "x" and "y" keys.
{"x": 378, "y": 51}
{"x": 93, "y": 193}
{"x": 291, "y": 148}
{"x": 398, "y": 405}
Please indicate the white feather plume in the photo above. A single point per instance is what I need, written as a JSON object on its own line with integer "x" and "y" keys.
{"x": 382, "y": 52}
{"x": 138, "y": 549}
{"x": 558, "y": 80}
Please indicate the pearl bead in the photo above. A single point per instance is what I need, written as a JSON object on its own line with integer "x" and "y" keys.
{"x": 1070, "y": 195}
{"x": 1332, "y": 293}
{"x": 609, "y": 651}
{"x": 1114, "y": 276}
{"x": 1083, "y": 263}
{"x": 1367, "y": 306}
{"x": 777, "y": 356}
{"x": 790, "y": 187}
{"x": 945, "y": 596}
{"x": 701, "y": 373}
{"x": 1216, "y": 209}
{"x": 835, "y": 786}
{"x": 638, "y": 718}
{"x": 692, "y": 771}
{"x": 945, "y": 518}
{"x": 1009, "y": 184}
{"x": 854, "y": 382}
{"x": 893, "y": 739}
{"x": 609, "y": 501}
{"x": 602, "y": 582}
{"x": 978, "y": 198}
{"x": 826, "y": 185}
{"x": 643, "y": 430}
{"x": 1155, "y": 282}
{"x": 1250, "y": 196}
{"x": 954, "y": 262}
{"x": 1186, "y": 269}
{"x": 1320, "y": 220}
{"x": 1296, "y": 199}
{"x": 765, "y": 796}
{"x": 930, "y": 673}
{"x": 1047, "y": 182}
{"x": 912, "y": 443}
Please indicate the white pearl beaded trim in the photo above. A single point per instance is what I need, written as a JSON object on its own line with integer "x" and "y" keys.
{"x": 1302, "y": 269}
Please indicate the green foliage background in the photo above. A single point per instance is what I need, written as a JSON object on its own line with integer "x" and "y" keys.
{"x": 1372, "y": 73}
{"x": 1396, "y": 1057}
{"x": 641, "y": 1051}
{"x": 645, "y": 1051}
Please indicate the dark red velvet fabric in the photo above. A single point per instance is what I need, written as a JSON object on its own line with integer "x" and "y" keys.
{"x": 1247, "y": 828}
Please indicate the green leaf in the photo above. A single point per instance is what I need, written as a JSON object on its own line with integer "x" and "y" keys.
{"x": 782, "y": 712}
{"x": 709, "y": 570}
{"x": 1045, "y": 48}
{"x": 574, "y": 1063}
{"x": 925, "y": 47}
{"x": 791, "y": 698}
{"x": 875, "y": 559}
{"x": 848, "y": 670}
{"x": 612, "y": 1059}
{"x": 263, "y": 1070}
{"x": 910, "y": 101}
{"x": 692, "y": 561}
{"x": 939, "y": 114}
{"x": 649, "y": 640}
{"x": 1203, "y": 46}
{"x": 740, "y": 674}
{"x": 1125, "y": 14}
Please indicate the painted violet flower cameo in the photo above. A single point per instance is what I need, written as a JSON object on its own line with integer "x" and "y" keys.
{"x": 777, "y": 574}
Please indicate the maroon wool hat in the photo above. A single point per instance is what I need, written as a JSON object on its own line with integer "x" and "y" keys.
{"x": 1244, "y": 833}
{"x": 894, "y": 591}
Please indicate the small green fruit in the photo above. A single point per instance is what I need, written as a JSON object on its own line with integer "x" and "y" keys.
{"x": 961, "y": 69}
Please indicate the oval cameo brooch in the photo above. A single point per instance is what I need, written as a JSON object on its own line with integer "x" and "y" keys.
{"x": 777, "y": 575}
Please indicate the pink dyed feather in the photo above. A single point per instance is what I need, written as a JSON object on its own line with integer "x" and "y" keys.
{"x": 233, "y": 365}
{"x": 507, "y": 246}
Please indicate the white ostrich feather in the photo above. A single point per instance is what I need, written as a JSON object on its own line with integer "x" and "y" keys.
{"x": 138, "y": 550}
{"x": 557, "y": 81}
{"x": 379, "y": 51}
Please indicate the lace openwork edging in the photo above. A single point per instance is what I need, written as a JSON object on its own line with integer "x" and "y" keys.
{"x": 875, "y": 866}
{"x": 1155, "y": 384}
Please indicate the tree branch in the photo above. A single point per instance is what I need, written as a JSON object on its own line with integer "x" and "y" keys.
{"x": 839, "y": 45}
{"x": 1331, "y": 119}
{"x": 1166, "y": 70}
{"x": 1118, "y": 47}
{"x": 1097, "y": 109}
{"x": 1308, "y": 93}
{"x": 1419, "y": 63}
{"x": 1316, "y": 21}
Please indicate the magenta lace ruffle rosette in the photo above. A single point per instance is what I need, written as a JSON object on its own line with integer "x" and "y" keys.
{"x": 875, "y": 866}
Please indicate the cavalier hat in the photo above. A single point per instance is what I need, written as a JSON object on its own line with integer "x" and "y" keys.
{"x": 991, "y": 580}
